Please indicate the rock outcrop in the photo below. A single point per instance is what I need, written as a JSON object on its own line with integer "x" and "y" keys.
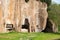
{"x": 14, "y": 14}
{"x": 43, "y": 15}
{"x": 50, "y": 27}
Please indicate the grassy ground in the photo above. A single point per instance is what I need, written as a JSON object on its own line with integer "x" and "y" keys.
{"x": 29, "y": 36}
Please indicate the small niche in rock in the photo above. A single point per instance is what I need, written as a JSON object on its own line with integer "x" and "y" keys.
{"x": 26, "y": 1}
{"x": 9, "y": 27}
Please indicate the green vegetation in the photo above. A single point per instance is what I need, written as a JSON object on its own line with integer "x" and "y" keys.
{"x": 54, "y": 14}
{"x": 29, "y": 36}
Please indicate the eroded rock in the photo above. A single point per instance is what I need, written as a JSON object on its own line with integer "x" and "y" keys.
{"x": 50, "y": 26}
{"x": 16, "y": 11}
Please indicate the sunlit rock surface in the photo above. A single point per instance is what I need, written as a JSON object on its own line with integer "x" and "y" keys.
{"x": 32, "y": 14}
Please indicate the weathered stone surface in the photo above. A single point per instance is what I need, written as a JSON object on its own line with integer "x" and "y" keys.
{"x": 16, "y": 11}
{"x": 43, "y": 15}
{"x": 51, "y": 27}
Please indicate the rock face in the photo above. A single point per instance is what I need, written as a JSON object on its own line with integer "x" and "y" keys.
{"x": 43, "y": 16}
{"x": 31, "y": 14}
{"x": 50, "y": 27}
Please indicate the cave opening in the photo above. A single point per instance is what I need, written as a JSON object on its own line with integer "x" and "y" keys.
{"x": 26, "y": 25}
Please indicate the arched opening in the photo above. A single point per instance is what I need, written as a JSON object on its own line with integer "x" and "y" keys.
{"x": 26, "y": 25}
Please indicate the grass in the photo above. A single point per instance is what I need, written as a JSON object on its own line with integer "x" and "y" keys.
{"x": 29, "y": 36}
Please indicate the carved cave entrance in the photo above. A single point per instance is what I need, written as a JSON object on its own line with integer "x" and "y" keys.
{"x": 26, "y": 24}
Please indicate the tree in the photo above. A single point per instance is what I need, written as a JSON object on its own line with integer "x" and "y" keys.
{"x": 54, "y": 14}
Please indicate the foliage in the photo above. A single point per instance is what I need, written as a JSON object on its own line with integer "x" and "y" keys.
{"x": 46, "y": 1}
{"x": 54, "y": 13}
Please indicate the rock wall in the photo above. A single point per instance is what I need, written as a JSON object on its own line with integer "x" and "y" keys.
{"x": 50, "y": 27}
{"x": 43, "y": 15}
{"x": 16, "y": 11}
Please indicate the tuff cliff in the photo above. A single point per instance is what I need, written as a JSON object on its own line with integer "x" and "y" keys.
{"x": 30, "y": 15}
